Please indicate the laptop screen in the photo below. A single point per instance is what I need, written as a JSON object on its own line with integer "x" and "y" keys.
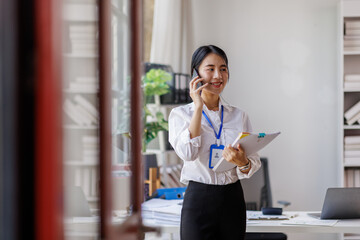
{"x": 341, "y": 203}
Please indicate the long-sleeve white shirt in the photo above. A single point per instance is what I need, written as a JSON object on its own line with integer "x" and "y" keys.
{"x": 195, "y": 152}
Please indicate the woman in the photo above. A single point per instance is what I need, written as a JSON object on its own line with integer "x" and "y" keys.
{"x": 214, "y": 206}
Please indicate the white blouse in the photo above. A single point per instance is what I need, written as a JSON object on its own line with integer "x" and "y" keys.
{"x": 195, "y": 152}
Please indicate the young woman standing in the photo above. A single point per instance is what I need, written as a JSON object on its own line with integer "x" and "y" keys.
{"x": 214, "y": 206}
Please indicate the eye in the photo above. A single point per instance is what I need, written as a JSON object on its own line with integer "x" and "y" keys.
{"x": 224, "y": 69}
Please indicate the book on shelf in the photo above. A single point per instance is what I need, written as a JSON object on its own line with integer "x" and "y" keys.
{"x": 352, "y": 38}
{"x": 83, "y": 28}
{"x": 352, "y": 161}
{"x": 88, "y": 80}
{"x": 352, "y": 153}
{"x": 348, "y": 140}
{"x": 94, "y": 181}
{"x": 352, "y": 177}
{"x": 72, "y": 111}
{"x": 354, "y": 119}
{"x": 88, "y": 12}
{"x": 352, "y": 111}
{"x": 351, "y": 49}
{"x": 83, "y": 87}
{"x": 87, "y": 105}
{"x": 352, "y": 147}
{"x": 90, "y": 153}
{"x": 351, "y": 43}
{"x": 352, "y": 24}
{"x": 349, "y": 177}
{"x": 352, "y": 32}
{"x": 351, "y": 85}
{"x": 86, "y": 181}
{"x": 88, "y": 119}
{"x": 83, "y": 39}
{"x": 352, "y": 78}
{"x": 357, "y": 177}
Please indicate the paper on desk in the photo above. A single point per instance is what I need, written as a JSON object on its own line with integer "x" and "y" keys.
{"x": 256, "y": 215}
{"x": 163, "y": 211}
{"x": 159, "y": 203}
{"x": 311, "y": 222}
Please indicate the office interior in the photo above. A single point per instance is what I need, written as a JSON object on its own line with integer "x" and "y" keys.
{"x": 67, "y": 89}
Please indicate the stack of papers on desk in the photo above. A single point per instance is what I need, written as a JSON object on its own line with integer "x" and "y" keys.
{"x": 162, "y": 211}
{"x": 257, "y": 215}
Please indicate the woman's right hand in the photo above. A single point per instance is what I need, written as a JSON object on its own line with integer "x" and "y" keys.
{"x": 195, "y": 92}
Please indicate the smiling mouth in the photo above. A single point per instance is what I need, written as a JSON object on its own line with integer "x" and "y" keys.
{"x": 217, "y": 84}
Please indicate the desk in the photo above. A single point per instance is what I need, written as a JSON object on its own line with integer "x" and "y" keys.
{"x": 342, "y": 226}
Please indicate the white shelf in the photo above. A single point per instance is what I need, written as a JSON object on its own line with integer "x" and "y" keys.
{"x": 352, "y": 165}
{"x": 80, "y": 164}
{"x": 76, "y": 55}
{"x": 68, "y": 90}
{"x": 73, "y": 126}
{"x": 80, "y": 18}
{"x": 352, "y": 53}
{"x": 92, "y": 199}
{"x": 158, "y": 151}
{"x": 351, "y": 90}
{"x": 349, "y": 61}
{"x": 352, "y": 127}
{"x": 170, "y": 106}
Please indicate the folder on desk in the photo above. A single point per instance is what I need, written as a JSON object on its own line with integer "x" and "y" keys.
{"x": 251, "y": 143}
{"x": 170, "y": 193}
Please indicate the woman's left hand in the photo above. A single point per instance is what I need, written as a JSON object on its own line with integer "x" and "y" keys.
{"x": 235, "y": 155}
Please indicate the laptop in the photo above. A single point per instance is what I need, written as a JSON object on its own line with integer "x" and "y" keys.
{"x": 340, "y": 203}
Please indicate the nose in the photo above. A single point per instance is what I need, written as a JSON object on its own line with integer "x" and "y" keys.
{"x": 218, "y": 74}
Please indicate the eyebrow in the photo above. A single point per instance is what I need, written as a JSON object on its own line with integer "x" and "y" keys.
{"x": 212, "y": 65}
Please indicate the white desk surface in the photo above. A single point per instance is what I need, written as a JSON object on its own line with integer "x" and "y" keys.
{"x": 342, "y": 226}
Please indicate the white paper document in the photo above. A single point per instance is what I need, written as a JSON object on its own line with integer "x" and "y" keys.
{"x": 251, "y": 143}
{"x": 163, "y": 211}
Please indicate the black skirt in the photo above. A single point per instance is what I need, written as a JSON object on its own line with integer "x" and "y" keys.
{"x": 215, "y": 212}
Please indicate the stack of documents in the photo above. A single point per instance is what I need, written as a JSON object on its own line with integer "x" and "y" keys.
{"x": 162, "y": 211}
{"x": 352, "y": 36}
{"x": 257, "y": 215}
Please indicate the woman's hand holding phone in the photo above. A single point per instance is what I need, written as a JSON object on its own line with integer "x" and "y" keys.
{"x": 196, "y": 85}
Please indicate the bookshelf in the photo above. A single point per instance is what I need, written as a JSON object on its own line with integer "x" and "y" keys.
{"x": 80, "y": 97}
{"x": 349, "y": 80}
{"x": 350, "y": 91}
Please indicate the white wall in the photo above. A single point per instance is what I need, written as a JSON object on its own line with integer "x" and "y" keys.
{"x": 283, "y": 66}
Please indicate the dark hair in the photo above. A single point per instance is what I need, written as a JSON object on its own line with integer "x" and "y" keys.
{"x": 200, "y": 53}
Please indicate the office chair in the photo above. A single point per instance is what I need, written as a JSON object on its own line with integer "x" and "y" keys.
{"x": 257, "y": 193}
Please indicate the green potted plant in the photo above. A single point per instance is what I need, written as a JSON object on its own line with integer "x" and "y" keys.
{"x": 154, "y": 85}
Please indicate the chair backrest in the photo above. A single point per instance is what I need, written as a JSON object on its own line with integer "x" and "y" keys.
{"x": 257, "y": 190}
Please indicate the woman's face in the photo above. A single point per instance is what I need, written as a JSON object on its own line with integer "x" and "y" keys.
{"x": 214, "y": 71}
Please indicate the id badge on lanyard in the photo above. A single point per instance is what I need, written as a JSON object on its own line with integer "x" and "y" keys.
{"x": 215, "y": 149}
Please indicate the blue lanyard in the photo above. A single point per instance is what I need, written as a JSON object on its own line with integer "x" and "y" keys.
{"x": 217, "y": 135}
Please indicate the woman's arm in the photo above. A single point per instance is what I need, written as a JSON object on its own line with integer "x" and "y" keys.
{"x": 179, "y": 135}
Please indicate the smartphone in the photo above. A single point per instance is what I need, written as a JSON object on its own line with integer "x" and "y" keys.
{"x": 195, "y": 74}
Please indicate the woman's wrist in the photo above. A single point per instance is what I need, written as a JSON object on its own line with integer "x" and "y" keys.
{"x": 246, "y": 167}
